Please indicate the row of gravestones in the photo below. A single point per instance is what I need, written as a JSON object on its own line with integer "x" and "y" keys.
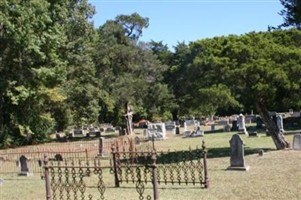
{"x": 237, "y": 161}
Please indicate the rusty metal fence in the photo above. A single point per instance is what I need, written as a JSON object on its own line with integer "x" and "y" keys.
{"x": 69, "y": 179}
{"x": 88, "y": 150}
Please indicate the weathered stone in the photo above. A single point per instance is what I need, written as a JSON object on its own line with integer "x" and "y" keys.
{"x": 297, "y": 142}
{"x": 25, "y": 168}
{"x": 58, "y": 157}
{"x": 237, "y": 161}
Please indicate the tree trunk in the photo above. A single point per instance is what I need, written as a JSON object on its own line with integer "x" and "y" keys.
{"x": 274, "y": 131}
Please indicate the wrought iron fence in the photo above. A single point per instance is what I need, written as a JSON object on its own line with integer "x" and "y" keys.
{"x": 175, "y": 167}
{"x": 69, "y": 179}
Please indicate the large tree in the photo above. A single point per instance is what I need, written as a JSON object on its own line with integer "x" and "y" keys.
{"x": 128, "y": 70}
{"x": 47, "y": 73}
{"x": 31, "y": 68}
{"x": 260, "y": 70}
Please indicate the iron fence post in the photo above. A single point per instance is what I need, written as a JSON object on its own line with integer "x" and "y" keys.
{"x": 101, "y": 147}
{"x": 206, "y": 181}
{"x": 47, "y": 179}
{"x": 115, "y": 167}
{"x": 154, "y": 174}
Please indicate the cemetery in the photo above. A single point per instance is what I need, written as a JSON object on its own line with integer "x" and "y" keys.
{"x": 114, "y": 165}
{"x": 89, "y": 110}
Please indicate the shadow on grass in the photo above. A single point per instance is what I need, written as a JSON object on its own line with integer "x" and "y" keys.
{"x": 225, "y": 151}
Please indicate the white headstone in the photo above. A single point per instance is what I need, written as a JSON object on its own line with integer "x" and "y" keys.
{"x": 279, "y": 121}
{"x": 297, "y": 142}
{"x": 241, "y": 124}
{"x": 156, "y": 131}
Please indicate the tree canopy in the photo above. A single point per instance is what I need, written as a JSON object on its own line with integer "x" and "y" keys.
{"x": 58, "y": 70}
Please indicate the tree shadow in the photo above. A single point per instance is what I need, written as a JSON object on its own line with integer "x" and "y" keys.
{"x": 225, "y": 151}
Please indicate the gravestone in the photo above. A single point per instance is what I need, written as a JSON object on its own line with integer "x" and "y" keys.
{"x": 234, "y": 126}
{"x": 156, "y": 131}
{"x": 177, "y": 130}
{"x": 237, "y": 161}
{"x": 58, "y": 157}
{"x": 137, "y": 140}
{"x": 242, "y": 124}
{"x": 279, "y": 122}
{"x": 297, "y": 142}
{"x": 25, "y": 168}
{"x": 101, "y": 147}
{"x": 170, "y": 127}
{"x": 260, "y": 152}
{"x": 259, "y": 122}
{"x": 212, "y": 127}
{"x": 185, "y": 126}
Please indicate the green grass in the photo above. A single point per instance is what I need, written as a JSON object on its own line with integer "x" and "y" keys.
{"x": 276, "y": 175}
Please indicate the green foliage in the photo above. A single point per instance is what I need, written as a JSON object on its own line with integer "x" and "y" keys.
{"x": 128, "y": 71}
{"x": 291, "y": 13}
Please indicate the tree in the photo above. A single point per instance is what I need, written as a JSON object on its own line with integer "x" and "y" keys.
{"x": 82, "y": 87}
{"x": 260, "y": 69}
{"x": 32, "y": 69}
{"x": 128, "y": 70}
{"x": 291, "y": 13}
{"x": 44, "y": 45}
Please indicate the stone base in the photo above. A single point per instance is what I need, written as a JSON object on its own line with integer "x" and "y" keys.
{"x": 25, "y": 174}
{"x": 243, "y": 168}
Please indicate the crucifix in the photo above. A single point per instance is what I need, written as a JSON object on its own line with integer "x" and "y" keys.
{"x": 129, "y": 116}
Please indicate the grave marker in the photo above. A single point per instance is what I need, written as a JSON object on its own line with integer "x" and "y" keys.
{"x": 242, "y": 124}
{"x": 297, "y": 142}
{"x": 25, "y": 168}
{"x": 237, "y": 161}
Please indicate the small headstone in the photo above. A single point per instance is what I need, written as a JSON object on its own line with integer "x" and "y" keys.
{"x": 237, "y": 161}
{"x": 98, "y": 134}
{"x": 101, "y": 146}
{"x": 234, "y": 126}
{"x": 259, "y": 122}
{"x": 297, "y": 142}
{"x": 58, "y": 157}
{"x": 227, "y": 128}
{"x": 242, "y": 124}
{"x": 137, "y": 140}
{"x": 253, "y": 134}
{"x": 212, "y": 127}
{"x": 260, "y": 152}
{"x": 25, "y": 168}
{"x": 177, "y": 130}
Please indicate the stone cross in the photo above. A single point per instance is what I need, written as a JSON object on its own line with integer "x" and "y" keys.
{"x": 129, "y": 115}
{"x": 25, "y": 168}
{"x": 297, "y": 142}
{"x": 237, "y": 161}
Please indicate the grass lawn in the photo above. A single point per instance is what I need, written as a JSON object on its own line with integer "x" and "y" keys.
{"x": 276, "y": 175}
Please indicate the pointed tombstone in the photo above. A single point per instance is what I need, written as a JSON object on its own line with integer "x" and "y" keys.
{"x": 237, "y": 160}
{"x": 297, "y": 142}
{"x": 25, "y": 168}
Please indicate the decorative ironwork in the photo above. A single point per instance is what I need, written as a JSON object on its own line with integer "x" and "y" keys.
{"x": 68, "y": 180}
{"x": 178, "y": 167}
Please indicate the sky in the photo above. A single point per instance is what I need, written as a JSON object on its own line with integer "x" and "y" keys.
{"x": 174, "y": 21}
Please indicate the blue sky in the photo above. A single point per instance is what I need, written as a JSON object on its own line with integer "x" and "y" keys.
{"x": 173, "y": 21}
